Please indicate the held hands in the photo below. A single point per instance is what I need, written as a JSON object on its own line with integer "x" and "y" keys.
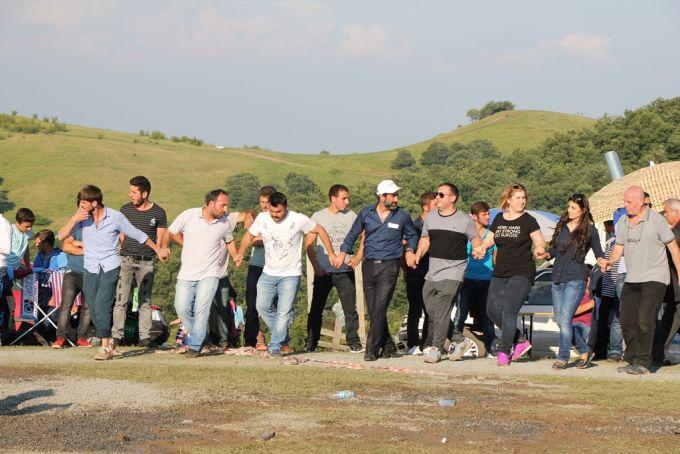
{"x": 354, "y": 261}
{"x": 411, "y": 259}
{"x": 238, "y": 260}
{"x": 337, "y": 260}
{"x": 604, "y": 265}
{"x": 479, "y": 252}
{"x": 163, "y": 254}
{"x": 540, "y": 254}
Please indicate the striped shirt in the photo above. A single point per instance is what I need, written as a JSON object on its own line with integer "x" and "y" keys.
{"x": 148, "y": 222}
{"x": 610, "y": 277}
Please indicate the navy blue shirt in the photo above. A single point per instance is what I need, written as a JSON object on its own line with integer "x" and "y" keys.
{"x": 423, "y": 264}
{"x": 383, "y": 239}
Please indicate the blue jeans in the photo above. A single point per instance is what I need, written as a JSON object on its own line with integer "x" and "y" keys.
{"x": 566, "y": 299}
{"x": 615, "y": 333}
{"x": 193, "y": 300}
{"x": 278, "y": 318}
{"x": 581, "y": 333}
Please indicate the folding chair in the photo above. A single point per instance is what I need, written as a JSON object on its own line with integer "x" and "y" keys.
{"x": 56, "y": 279}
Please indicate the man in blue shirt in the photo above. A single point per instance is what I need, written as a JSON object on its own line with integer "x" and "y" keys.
{"x": 475, "y": 286}
{"x": 101, "y": 227}
{"x": 385, "y": 226}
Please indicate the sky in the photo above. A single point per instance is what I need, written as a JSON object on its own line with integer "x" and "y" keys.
{"x": 343, "y": 76}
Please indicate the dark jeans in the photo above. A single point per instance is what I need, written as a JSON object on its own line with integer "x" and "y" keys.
{"x": 72, "y": 285}
{"x": 640, "y": 304}
{"x": 416, "y": 308}
{"x": 252, "y": 319}
{"x": 380, "y": 279}
{"x": 506, "y": 296}
{"x": 438, "y": 297}
{"x": 473, "y": 296}
{"x": 606, "y": 316}
{"x": 6, "y": 301}
{"x": 668, "y": 326}
{"x": 222, "y": 329}
{"x": 344, "y": 283}
{"x": 99, "y": 290}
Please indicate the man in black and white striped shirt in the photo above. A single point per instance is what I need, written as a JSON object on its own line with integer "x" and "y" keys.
{"x": 138, "y": 260}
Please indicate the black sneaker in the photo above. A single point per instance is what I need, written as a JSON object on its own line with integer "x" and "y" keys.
{"x": 640, "y": 370}
{"x": 146, "y": 343}
{"x": 309, "y": 348}
{"x": 192, "y": 353}
{"x": 370, "y": 357}
{"x": 390, "y": 354}
{"x": 356, "y": 348}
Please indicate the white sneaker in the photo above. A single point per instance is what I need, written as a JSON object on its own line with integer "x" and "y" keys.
{"x": 414, "y": 351}
{"x": 458, "y": 349}
{"x": 432, "y": 355}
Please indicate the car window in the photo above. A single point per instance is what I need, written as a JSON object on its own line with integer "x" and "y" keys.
{"x": 541, "y": 292}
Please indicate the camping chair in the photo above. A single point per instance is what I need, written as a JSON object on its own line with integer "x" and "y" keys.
{"x": 56, "y": 279}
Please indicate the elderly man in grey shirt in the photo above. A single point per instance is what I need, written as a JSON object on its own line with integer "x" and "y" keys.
{"x": 643, "y": 236}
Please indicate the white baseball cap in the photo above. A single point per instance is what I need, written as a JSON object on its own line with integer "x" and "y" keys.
{"x": 387, "y": 187}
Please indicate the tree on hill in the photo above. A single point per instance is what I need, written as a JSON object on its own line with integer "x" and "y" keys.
{"x": 488, "y": 109}
{"x": 436, "y": 154}
{"x": 5, "y": 204}
{"x": 303, "y": 194}
{"x": 403, "y": 160}
{"x": 243, "y": 189}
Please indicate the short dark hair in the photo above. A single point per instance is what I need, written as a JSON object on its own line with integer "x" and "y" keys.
{"x": 426, "y": 198}
{"x": 142, "y": 183}
{"x": 609, "y": 222}
{"x": 24, "y": 215}
{"x": 266, "y": 191}
{"x": 479, "y": 207}
{"x": 91, "y": 193}
{"x": 336, "y": 189}
{"x": 46, "y": 236}
{"x": 214, "y": 194}
{"x": 278, "y": 198}
{"x": 452, "y": 187}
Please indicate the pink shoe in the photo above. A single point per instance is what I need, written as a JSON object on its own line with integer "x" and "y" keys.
{"x": 503, "y": 359}
{"x": 520, "y": 349}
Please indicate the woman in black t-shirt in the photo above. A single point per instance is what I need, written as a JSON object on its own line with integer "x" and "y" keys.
{"x": 513, "y": 232}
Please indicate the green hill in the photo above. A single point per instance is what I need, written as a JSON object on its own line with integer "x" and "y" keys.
{"x": 45, "y": 171}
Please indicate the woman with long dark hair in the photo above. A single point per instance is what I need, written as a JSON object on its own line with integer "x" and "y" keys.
{"x": 513, "y": 232}
{"x": 575, "y": 235}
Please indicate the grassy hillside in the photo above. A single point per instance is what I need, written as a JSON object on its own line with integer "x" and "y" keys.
{"x": 44, "y": 172}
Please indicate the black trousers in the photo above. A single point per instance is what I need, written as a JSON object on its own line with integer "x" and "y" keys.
{"x": 416, "y": 307}
{"x": 668, "y": 326}
{"x": 252, "y": 319}
{"x": 344, "y": 283}
{"x": 505, "y": 299}
{"x": 380, "y": 279}
{"x": 640, "y": 304}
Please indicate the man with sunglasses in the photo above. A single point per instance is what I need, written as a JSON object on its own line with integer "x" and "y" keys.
{"x": 446, "y": 232}
{"x": 643, "y": 235}
{"x": 385, "y": 226}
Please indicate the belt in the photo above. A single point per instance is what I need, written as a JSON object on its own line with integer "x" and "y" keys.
{"x": 379, "y": 261}
{"x": 141, "y": 257}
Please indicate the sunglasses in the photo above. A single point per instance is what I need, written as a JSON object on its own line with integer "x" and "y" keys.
{"x": 441, "y": 195}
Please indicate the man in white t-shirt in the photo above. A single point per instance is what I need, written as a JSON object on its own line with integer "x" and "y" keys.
{"x": 281, "y": 231}
{"x": 204, "y": 231}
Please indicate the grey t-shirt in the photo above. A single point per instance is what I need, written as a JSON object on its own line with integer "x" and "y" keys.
{"x": 337, "y": 226}
{"x": 644, "y": 246}
{"x": 448, "y": 244}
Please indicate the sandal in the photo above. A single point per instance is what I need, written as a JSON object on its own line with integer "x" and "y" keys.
{"x": 559, "y": 365}
{"x": 585, "y": 360}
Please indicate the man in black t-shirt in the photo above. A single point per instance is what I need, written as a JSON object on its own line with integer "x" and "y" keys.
{"x": 138, "y": 260}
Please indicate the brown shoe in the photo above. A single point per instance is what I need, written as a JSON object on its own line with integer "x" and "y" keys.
{"x": 286, "y": 350}
{"x": 103, "y": 354}
{"x": 261, "y": 343}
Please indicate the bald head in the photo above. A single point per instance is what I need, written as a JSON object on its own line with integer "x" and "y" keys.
{"x": 634, "y": 200}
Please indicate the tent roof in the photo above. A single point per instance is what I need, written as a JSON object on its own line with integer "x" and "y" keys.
{"x": 661, "y": 181}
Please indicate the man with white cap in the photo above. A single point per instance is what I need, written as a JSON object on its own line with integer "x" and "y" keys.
{"x": 385, "y": 226}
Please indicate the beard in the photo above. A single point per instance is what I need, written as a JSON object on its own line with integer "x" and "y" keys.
{"x": 390, "y": 206}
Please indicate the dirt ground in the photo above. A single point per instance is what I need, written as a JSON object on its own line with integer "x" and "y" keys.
{"x": 159, "y": 402}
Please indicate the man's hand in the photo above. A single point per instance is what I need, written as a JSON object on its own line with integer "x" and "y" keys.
{"x": 539, "y": 252}
{"x": 164, "y": 254}
{"x": 354, "y": 261}
{"x": 604, "y": 265}
{"x": 339, "y": 260}
{"x": 410, "y": 259}
{"x": 238, "y": 259}
{"x": 248, "y": 220}
{"x": 479, "y": 252}
{"x": 80, "y": 215}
